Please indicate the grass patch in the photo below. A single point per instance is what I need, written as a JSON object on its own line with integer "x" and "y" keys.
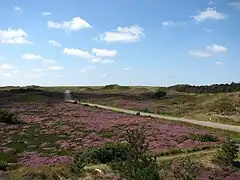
{"x": 190, "y": 150}
{"x": 8, "y": 157}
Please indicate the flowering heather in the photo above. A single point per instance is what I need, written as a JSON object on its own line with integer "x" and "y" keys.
{"x": 62, "y": 128}
{"x": 33, "y": 159}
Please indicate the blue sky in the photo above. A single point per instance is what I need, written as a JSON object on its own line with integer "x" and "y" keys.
{"x": 127, "y": 42}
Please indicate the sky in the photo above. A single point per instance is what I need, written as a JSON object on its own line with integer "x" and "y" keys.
{"x": 127, "y": 42}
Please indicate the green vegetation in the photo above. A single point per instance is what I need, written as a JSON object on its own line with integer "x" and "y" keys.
{"x": 181, "y": 151}
{"x": 223, "y": 106}
{"x": 105, "y": 154}
{"x": 228, "y": 152}
{"x": 9, "y": 117}
{"x": 130, "y": 159}
{"x": 204, "y": 137}
{"x": 3, "y": 166}
{"x": 110, "y": 86}
{"x": 140, "y": 164}
{"x": 160, "y": 93}
{"x": 215, "y": 88}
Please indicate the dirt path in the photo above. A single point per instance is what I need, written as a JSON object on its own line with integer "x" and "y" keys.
{"x": 192, "y": 121}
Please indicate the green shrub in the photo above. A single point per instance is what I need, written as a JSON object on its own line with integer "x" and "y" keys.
{"x": 228, "y": 152}
{"x": 139, "y": 164}
{"x": 107, "y": 153}
{"x": 203, "y": 137}
{"x": 103, "y": 154}
{"x": 3, "y": 165}
{"x": 160, "y": 93}
{"x": 138, "y": 114}
{"x": 9, "y": 117}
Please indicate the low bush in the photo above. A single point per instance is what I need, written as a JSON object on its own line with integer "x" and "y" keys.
{"x": 9, "y": 117}
{"x": 103, "y": 154}
{"x": 107, "y": 153}
{"x": 160, "y": 93}
{"x": 203, "y": 137}
{"x": 228, "y": 152}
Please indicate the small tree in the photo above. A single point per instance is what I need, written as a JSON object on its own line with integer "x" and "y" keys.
{"x": 140, "y": 164}
{"x": 228, "y": 152}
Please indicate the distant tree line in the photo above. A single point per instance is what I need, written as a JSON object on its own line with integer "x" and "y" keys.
{"x": 215, "y": 88}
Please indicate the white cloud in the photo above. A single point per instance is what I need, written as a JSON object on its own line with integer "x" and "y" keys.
{"x": 76, "y": 23}
{"x": 78, "y": 53}
{"x": 86, "y": 69}
{"x": 208, "y": 30}
{"x": 37, "y": 70}
{"x": 54, "y": 67}
{"x": 200, "y": 54}
{"x": 104, "y": 52}
{"x": 102, "y": 55}
{"x": 219, "y": 63}
{"x": 54, "y": 43}
{"x": 235, "y": 4}
{"x": 214, "y": 48}
{"x": 209, "y": 51}
{"x": 172, "y": 23}
{"x": 31, "y": 56}
{"x": 16, "y": 8}
{"x": 46, "y": 13}
{"x": 127, "y": 69}
{"x": 14, "y": 36}
{"x": 123, "y": 34}
{"x": 209, "y": 14}
{"x": 6, "y": 66}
